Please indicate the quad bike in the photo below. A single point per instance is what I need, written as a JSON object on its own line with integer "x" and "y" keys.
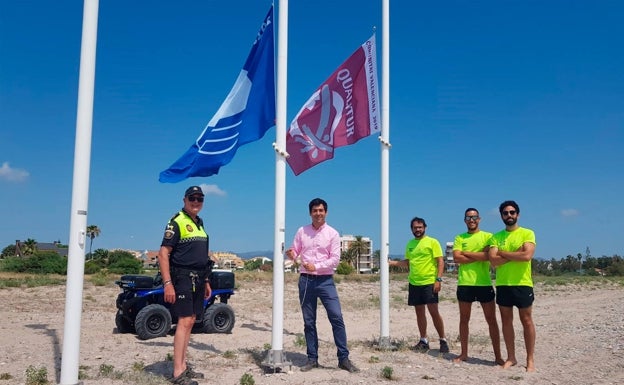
{"x": 141, "y": 307}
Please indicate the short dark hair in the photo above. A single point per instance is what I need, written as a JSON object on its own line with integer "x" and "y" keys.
{"x": 418, "y": 220}
{"x": 470, "y": 209}
{"x": 508, "y": 203}
{"x": 316, "y": 202}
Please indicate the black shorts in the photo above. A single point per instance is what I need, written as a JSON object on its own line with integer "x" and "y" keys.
{"x": 481, "y": 294}
{"x": 188, "y": 302}
{"x": 519, "y": 296}
{"x": 421, "y": 295}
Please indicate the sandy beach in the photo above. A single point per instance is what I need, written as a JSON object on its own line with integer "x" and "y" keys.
{"x": 580, "y": 339}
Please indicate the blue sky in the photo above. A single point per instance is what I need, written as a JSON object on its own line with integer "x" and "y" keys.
{"x": 489, "y": 100}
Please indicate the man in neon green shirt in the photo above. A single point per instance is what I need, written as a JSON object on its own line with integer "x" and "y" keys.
{"x": 423, "y": 258}
{"x": 474, "y": 282}
{"x": 511, "y": 251}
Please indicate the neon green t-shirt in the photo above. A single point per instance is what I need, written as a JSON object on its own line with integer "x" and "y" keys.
{"x": 476, "y": 273}
{"x": 423, "y": 255}
{"x": 513, "y": 273}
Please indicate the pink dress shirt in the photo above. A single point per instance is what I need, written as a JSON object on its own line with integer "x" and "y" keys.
{"x": 321, "y": 247}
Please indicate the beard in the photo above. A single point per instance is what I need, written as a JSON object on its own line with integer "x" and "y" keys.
{"x": 511, "y": 221}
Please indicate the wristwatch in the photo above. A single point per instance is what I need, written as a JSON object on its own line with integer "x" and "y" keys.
{"x": 439, "y": 279}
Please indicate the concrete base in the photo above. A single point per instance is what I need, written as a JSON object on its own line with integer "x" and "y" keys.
{"x": 276, "y": 360}
{"x": 384, "y": 343}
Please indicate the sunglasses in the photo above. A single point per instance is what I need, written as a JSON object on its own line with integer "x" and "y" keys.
{"x": 193, "y": 199}
{"x": 471, "y": 217}
{"x": 510, "y": 212}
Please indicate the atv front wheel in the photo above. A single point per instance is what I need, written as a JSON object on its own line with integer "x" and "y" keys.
{"x": 152, "y": 321}
{"x": 218, "y": 318}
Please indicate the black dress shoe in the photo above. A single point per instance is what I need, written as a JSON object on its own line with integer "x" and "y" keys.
{"x": 347, "y": 365}
{"x": 309, "y": 365}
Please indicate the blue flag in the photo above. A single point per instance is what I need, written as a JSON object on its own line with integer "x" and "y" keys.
{"x": 245, "y": 115}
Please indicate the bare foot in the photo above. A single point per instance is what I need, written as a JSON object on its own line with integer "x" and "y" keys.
{"x": 509, "y": 363}
{"x": 499, "y": 361}
{"x": 530, "y": 367}
{"x": 459, "y": 359}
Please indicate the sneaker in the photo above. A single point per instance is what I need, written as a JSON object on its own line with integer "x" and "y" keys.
{"x": 190, "y": 373}
{"x": 309, "y": 365}
{"x": 182, "y": 379}
{"x": 347, "y": 365}
{"x": 444, "y": 347}
{"x": 421, "y": 346}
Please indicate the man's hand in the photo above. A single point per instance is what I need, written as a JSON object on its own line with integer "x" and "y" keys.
{"x": 290, "y": 254}
{"x": 170, "y": 294}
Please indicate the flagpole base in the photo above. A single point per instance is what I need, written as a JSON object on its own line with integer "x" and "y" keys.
{"x": 384, "y": 343}
{"x": 276, "y": 360}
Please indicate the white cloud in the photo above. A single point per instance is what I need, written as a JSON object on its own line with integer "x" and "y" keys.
{"x": 567, "y": 213}
{"x": 12, "y": 174}
{"x": 212, "y": 189}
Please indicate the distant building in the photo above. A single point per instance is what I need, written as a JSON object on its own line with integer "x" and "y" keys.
{"x": 366, "y": 263}
{"x": 227, "y": 260}
{"x": 42, "y": 246}
{"x": 449, "y": 261}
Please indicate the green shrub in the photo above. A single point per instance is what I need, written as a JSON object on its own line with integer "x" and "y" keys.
{"x": 6, "y": 376}
{"x": 387, "y": 372}
{"x": 126, "y": 266}
{"x": 344, "y": 268}
{"x": 47, "y": 262}
{"x": 36, "y": 376}
{"x": 247, "y": 379}
{"x": 92, "y": 266}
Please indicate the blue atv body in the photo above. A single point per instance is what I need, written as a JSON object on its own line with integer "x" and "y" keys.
{"x": 141, "y": 307}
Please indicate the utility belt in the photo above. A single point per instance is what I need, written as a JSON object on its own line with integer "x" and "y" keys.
{"x": 195, "y": 274}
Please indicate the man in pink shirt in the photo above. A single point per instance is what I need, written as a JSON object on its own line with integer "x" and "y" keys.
{"x": 316, "y": 248}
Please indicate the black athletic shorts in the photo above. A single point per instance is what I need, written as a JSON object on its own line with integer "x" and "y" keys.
{"x": 188, "y": 302}
{"x": 519, "y": 296}
{"x": 421, "y": 295}
{"x": 471, "y": 294}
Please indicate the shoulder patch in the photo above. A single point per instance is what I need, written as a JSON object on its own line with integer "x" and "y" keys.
{"x": 189, "y": 228}
{"x": 169, "y": 233}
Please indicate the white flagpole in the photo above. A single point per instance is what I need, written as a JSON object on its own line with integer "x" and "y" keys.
{"x": 275, "y": 357}
{"x": 80, "y": 196}
{"x": 384, "y": 336}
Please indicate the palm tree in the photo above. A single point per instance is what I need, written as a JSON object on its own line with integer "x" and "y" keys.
{"x": 347, "y": 256}
{"x": 358, "y": 247}
{"x": 30, "y": 247}
{"x": 92, "y": 232}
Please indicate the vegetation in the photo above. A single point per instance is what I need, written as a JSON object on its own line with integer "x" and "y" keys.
{"x": 50, "y": 262}
{"x": 258, "y": 264}
{"x": 387, "y": 372}
{"x": 580, "y": 265}
{"x": 344, "y": 268}
{"x": 9, "y": 251}
{"x": 357, "y": 248}
{"x": 92, "y": 232}
{"x": 247, "y": 379}
{"x": 36, "y": 376}
{"x": 29, "y": 247}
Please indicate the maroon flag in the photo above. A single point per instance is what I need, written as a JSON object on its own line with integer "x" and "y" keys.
{"x": 343, "y": 110}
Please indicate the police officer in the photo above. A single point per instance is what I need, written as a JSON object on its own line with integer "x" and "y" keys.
{"x": 184, "y": 266}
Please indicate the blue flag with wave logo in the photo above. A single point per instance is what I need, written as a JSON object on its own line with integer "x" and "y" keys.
{"x": 245, "y": 116}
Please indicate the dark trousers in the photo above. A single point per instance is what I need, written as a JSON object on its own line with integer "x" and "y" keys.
{"x": 321, "y": 287}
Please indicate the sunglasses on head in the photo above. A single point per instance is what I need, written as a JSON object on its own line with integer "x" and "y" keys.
{"x": 193, "y": 199}
{"x": 471, "y": 217}
{"x": 510, "y": 212}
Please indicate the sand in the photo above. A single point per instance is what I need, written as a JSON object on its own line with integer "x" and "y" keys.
{"x": 580, "y": 339}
